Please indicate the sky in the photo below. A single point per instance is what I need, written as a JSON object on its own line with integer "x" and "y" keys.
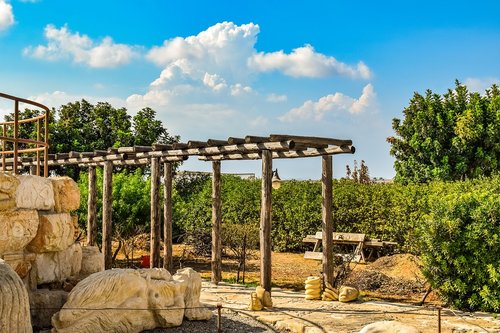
{"x": 219, "y": 69}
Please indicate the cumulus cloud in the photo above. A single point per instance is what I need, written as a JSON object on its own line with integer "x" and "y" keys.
{"x": 6, "y": 15}
{"x": 316, "y": 110}
{"x": 481, "y": 84}
{"x": 63, "y": 44}
{"x": 273, "y": 98}
{"x": 306, "y": 62}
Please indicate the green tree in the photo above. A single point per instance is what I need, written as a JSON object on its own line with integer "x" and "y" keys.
{"x": 448, "y": 137}
{"x": 148, "y": 130}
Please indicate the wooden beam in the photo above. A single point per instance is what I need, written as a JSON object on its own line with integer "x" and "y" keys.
{"x": 197, "y": 144}
{"x": 212, "y": 142}
{"x": 256, "y": 139}
{"x": 155, "y": 213}
{"x": 327, "y": 220}
{"x": 235, "y": 141}
{"x": 107, "y": 201}
{"x": 167, "y": 217}
{"x": 92, "y": 208}
{"x": 159, "y": 146}
{"x": 216, "y": 224}
{"x": 310, "y": 140}
{"x": 134, "y": 149}
{"x": 179, "y": 145}
{"x": 265, "y": 221}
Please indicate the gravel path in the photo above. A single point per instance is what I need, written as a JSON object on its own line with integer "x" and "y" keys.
{"x": 231, "y": 322}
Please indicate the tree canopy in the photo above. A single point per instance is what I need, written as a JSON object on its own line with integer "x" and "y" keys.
{"x": 453, "y": 136}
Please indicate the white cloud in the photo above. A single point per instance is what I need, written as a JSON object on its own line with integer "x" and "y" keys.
{"x": 276, "y": 98}
{"x": 239, "y": 89}
{"x": 214, "y": 81}
{"x": 63, "y": 44}
{"x": 305, "y": 62}
{"x": 481, "y": 84}
{"x": 6, "y": 15}
{"x": 332, "y": 103}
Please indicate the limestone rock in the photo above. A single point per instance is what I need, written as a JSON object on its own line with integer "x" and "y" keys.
{"x": 347, "y": 294}
{"x": 388, "y": 327}
{"x": 66, "y": 194}
{"x": 34, "y": 192}
{"x": 44, "y": 304}
{"x": 17, "y": 229}
{"x": 92, "y": 261}
{"x": 55, "y": 233}
{"x": 14, "y": 303}
{"x": 78, "y": 233}
{"x": 20, "y": 261}
{"x": 8, "y": 187}
{"x": 166, "y": 298}
{"x": 58, "y": 266}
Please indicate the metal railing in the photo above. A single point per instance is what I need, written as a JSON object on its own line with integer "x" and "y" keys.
{"x": 34, "y": 146}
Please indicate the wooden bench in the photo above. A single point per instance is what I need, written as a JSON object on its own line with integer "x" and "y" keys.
{"x": 358, "y": 241}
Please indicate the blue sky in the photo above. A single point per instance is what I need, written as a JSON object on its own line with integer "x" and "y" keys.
{"x": 214, "y": 69}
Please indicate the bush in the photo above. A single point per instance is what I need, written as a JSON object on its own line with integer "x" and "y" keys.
{"x": 460, "y": 243}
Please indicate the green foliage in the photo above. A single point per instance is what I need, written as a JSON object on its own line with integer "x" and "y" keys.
{"x": 448, "y": 137}
{"x": 460, "y": 243}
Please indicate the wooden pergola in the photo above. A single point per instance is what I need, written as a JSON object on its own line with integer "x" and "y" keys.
{"x": 249, "y": 148}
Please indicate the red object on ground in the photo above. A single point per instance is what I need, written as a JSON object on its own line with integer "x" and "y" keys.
{"x": 145, "y": 261}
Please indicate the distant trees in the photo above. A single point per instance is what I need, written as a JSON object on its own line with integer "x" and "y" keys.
{"x": 361, "y": 175}
{"x": 450, "y": 137}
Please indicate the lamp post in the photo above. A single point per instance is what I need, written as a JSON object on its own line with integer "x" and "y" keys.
{"x": 276, "y": 181}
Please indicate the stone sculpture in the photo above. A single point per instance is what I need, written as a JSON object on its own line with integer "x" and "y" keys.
{"x": 388, "y": 327}
{"x": 347, "y": 294}
{"x": 14, "y": 302}
{"x": 35, "y": 192}
{"x": 313, "y": 288}
{"x": 126, "y": 300}
{"x": 260, "y": 299}
{"x": 17, "y": 229}
{"x": 8, "y": 187}
{"x": 55, "y": 233}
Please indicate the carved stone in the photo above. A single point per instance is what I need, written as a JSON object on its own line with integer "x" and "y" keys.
{"x": 347, "y": 294}
{"x": 44, "y": 304}
{"x": 34, "y": 192}
{"x": 113, "y": 297}
{"x": 55, "y": 233}
{"x": 20, "y": 261}
{"x": 17, "y": 229}
{"x": 66, "y": 194}
{"x": 8, "y": 187}
{"x": 58, "y": 266}
{"x": 92, "y": 261}
{"x": 388, "y": 327}
{"x": 14, "y": 303}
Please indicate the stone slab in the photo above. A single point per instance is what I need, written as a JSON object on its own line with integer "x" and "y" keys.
{"x": 17, "y": 229}
{"x": 58, "y": 266}
{"x": 66, "y": 194}
{"x": 92, "y": 261}
{"x": 34, "y": 192}
{"x": 55, "y": 233}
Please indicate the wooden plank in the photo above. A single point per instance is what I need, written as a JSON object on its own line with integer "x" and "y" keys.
{"x": 159, "y": 146}
{"x": 212, "y": 142}
{"x": 167, "y": 217}
{"x": 92, "y": 208}
{"x": 155, "y": 213}
{"x": 216, "y": 224}
{"x": 256, "y": 139}
{"x": 179, "y": 145}
{"x": 134, "y": 149}
{"x": 107, "y": 201}
{"x": 235, "y": 141}
{"x": 310, "y": 140}
{"x": 327, "y": 218}
{"x": 344, "y": 237}
{"x": 265, "y": 221}
{"x": 313, "y": 255}
{"x": 309, "y": 239}
{"x": 197, "y": 144}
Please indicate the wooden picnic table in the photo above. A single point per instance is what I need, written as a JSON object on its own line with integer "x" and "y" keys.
{"x": 357, "y": 240}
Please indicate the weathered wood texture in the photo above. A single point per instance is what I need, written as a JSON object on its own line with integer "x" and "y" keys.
{"x": 155, "y": 213}
{"x": 265, "y": 221}
{"x": 327, "y": 221}
{"x": 216, "y": 224}
{"x": 107, "y": 200}
{"x": 92, "y": 208}
{"x": 167, "y": 217}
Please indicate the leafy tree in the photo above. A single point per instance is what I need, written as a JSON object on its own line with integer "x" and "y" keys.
{"x": 147, "y": 129}
{"x": 448, "y": 137}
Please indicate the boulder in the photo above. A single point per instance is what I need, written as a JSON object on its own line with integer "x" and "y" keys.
{"x": 389, "y": 327}
{"x": 17, "y": 229}
{"x": 35, "y": 192}
{"x": 55, "y": 233}
{"x": 92, "y": 261}
{"x": 66, "y": 194}
{"x": 8, "y": 187}
{"x": 164, "y": 301}
{"x": 14, "y": 302}
{"x": 44, "y": 304}
{"x": 58, "y": 266}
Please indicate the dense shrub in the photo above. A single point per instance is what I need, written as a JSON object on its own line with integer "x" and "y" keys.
{"x": 461, "y": 243}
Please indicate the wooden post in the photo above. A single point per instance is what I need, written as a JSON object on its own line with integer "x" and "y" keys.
{"x": 265, "y": 221}
{"x": 167, "y": 217}
{"x": 327, "y": 225}
{"x": 91, "y": 208}
{"x": 155, "y": 213}
{"x": 107, "y": 200}
{"x": 216, "y": 224}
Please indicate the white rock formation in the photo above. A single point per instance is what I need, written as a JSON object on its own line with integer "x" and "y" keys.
{"x": 17, "y": 229}
{"x": 92, "y": 261}
{"x": 66, "y": 194}
{"x": 109, "y": 301}
{"x": 388, "y": 327}
{"x": 55, "y": 233}
{"x": 58, "y": 266}
{"x": 14, "y": 302}
{"x": 34, "y": 192}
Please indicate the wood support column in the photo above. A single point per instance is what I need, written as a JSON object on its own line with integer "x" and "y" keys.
{"x": 91, "y": 208}
{"x": 167, "y": 217}
{"x": 265, "y": 221}
{"x": 327, "y": 220}
{"x": 107, "y": 200}
{"x": 155, "y": 213}
{"x": 216, "y": 223}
